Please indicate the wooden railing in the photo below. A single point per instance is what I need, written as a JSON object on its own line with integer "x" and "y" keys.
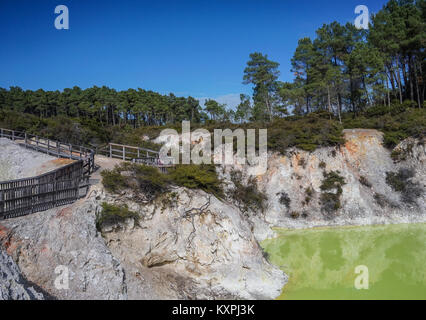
{"x": 59, "y": 187}
{"x": 126, "y": 153}
{"x": 52, "y": 147}
{"x": 56, "y": 188}
{"x": 139, "y": 155}
{"x": 154, "y": 162}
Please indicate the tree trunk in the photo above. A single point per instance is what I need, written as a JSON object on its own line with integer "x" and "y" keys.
{"x": 417, "y": 84}
{"x": 398, "y": 78}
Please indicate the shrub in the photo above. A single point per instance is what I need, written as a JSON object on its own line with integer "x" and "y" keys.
{"x": 309, "y": 193}
{"x": 332, "y": 180}
{"x": 284, "y": 199}
{"x": 113, "y": 181}
{"x": 295, "y": 215}
{"x": 151, "y": 182}
{"x": 401, "y": 182}
{"x": 248, "y": 197}
{"x": 322, "y": 165}
{"x": 330, "y": 201}
{"x": 396, "y": 125}
{"x": 363, "y": 180}
{"x": 112, "y": 215}
{"x": 202, "y": 177}
{"x": 140, "y": 178}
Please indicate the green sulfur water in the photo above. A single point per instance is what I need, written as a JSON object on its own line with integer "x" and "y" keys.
{"x": 321, "y": 263}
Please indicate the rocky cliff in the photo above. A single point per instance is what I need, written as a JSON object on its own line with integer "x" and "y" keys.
{"x": 190, "y": 245}
{"x": 13, "y": 286}
{"x": 379, "y": 186}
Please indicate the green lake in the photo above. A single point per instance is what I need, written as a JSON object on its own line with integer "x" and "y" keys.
{"x": 321, "y": 262}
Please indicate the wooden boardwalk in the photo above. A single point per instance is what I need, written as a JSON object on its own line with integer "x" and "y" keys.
{"x": 56, "y": 188}
{"x": 133, "y": 154}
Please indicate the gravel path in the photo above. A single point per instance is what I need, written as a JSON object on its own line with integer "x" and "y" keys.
{"x": 16, "y": 162}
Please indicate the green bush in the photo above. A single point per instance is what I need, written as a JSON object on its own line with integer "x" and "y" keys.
{"x": 202, "y": 177}
{"x": 141, "y": 178}
{"x": 248, "y": 197}
{"x": 398, "y": 125}
{"x": 151, "y": 182}
{"x": 309, "y": 193}
{"x": 111, "y": 215}
{"x": 401, "y": 182}
{"x": 330, "y": 201}
{"x": 113, "y": 181}
{"x": 284, "y": 199}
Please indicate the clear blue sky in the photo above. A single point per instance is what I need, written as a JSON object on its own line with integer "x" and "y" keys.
{"x": 196, "y": 48}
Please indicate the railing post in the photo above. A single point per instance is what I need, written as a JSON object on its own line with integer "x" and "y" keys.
{"x": 26, "y": 142}
{"x": 110, "y": 150}
{"x": 124, "y": 153}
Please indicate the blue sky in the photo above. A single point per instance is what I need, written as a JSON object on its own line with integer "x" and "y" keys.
{"x": 196, "y": 48}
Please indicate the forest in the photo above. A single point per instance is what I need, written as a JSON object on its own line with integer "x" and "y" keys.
{"x": 347, "y": 76}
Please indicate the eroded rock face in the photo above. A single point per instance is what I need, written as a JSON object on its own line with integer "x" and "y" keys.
{"x": 13, "y": 286}
{"x": 366, "y": 197}
{"x": 190, "y": 247}
{"x": 66, "y": 236}
{"x": 204, "y": 248}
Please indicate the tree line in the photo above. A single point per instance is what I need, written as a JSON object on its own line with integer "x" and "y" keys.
{"x": 106, "y": 105}
{"x": 345, "y": 69}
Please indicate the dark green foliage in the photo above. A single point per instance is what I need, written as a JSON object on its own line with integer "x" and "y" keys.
{"x": 332, "y": 190}
{"x": 332, "y": 180}
{"x": 149, "y": 181}
{"x": 363, "y": 180}
{"x": 295, "y": 215}
{"x": 307, "y": 133}
{"x": 112, "y": 215}
{"x": 401, "y": 182}
{"x": 409, "y": 123}
{"x": 248, "y": 197}
{"x": 113, "y": 181}
{"x": 309, "y": 193}
{"x": 202, "y": 177}
{"x": 140, "y": 178}
{"x": 284, "y": 199}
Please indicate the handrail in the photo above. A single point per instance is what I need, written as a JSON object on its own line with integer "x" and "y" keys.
{"x": 52, "y": 147}
{"x": 55, "y": 188}
{"x": 29, "y": 195}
